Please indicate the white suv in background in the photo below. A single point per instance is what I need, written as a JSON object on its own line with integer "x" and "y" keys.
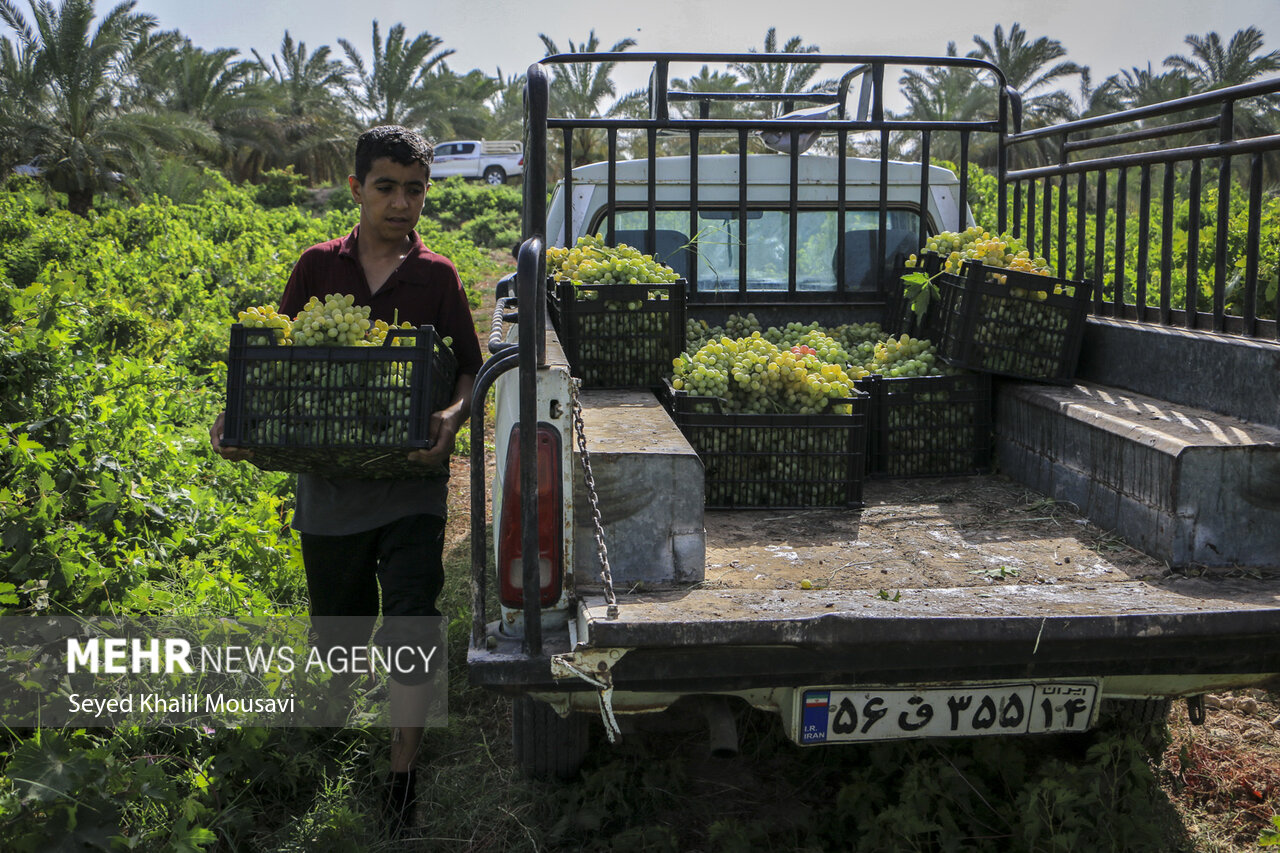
{"x": 490, "y": 160}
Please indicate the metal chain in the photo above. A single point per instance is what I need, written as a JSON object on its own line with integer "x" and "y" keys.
{"x": 601, "y": 550}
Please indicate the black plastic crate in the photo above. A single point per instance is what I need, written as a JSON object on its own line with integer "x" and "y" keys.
{"x": 929, "y": 426}
{"x": 775, "y": 461}
{"x": 338, "y": 411}
{"x": 620, "y": 335}
{"x": 1028, "y": 326}
{"x": 899, "y": 318}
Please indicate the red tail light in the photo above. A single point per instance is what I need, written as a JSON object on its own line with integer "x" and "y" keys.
{"x": 550, "y": 522}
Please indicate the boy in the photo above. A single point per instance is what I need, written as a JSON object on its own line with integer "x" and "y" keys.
{"x": 361, "y": 535}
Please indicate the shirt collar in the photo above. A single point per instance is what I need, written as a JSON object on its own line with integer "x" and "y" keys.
{"x": 347, "y": 246}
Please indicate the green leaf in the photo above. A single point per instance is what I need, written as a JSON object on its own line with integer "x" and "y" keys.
{"x": 190, "y": 839}
{"x": 1270, "y": 837}
{"x": 47, "y": 770}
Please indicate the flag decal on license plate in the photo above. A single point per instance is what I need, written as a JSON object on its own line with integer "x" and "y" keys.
{"x": 814, "y": 722}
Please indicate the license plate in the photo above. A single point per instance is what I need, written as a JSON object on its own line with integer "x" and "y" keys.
{"x": 838, "y": 715}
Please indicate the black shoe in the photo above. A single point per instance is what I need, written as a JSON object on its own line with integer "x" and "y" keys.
{"x": 402, "y": 799}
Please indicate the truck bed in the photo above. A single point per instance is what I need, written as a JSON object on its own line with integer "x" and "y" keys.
{"x": 968, "y": 547}
{"x": 933, "y": 580}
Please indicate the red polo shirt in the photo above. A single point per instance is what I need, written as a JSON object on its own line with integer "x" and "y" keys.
{"x": 424, "y": 290}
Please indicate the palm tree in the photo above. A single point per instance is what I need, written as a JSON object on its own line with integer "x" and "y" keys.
{"x": 779, "y": 76}
{"x": 1212, "y": 66}
{"x": 390, "y": 90}
{"x": 18, "y": 87}
{"x": 506, "y": 119}
{"x": 217, "y": 88}
{"x": 311, "y": 130}
{"x": 578, "y": 90}
{"x": 1024, "y": 66}
{"x": 1139, "y": 87}
{"x": 943, "y": 93}
{"x": 582, "y": 90}
{"x": 706, "y": 80}
{"x": 70, "y": 110}
{"x": 1106, "y": 97}
{"x": 456, "y": 106}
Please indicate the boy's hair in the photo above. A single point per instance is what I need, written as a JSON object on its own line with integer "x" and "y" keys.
{"x": 398, "y": 143}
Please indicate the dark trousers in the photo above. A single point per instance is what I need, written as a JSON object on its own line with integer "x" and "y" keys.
{"x": 405, "y": 559}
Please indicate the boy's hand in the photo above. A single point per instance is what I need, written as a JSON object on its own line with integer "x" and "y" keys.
{"x": 444, "y": 433}
{"x": 235, "y": 454}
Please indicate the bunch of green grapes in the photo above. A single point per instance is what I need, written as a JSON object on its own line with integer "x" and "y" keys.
{"x": 904, "y": 356}
{"x": 266, "y": 317}
{"x": 377, "y": 334}
{"x": 852, "y": 335}
{"x": 699, "y": 332}
{"x": 590, "y": 261}
{"x": 1004, "y": 251}
{"x": 826, "y": 347}
{"x": 337, "y": 321}
{"x": 738, "y": 326}
{"x": 789, "y": 334}
{"x": 754, "y": 375}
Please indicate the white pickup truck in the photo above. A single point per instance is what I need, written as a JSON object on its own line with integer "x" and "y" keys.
{"x": 492, "y": 161}
{"x": 969, "y": 606}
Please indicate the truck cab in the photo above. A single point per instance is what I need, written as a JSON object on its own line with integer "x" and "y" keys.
{"x": 704, "y": 249}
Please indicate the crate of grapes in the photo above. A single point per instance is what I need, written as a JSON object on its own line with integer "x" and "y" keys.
{"x": 340, "y": 411}
{"x": 911, "y": 306}
{"x": 929, "y": 426}
{"x": 620, "y": 335}
{"x": 1018, "y": 324}
{"x": 775, "y": 461}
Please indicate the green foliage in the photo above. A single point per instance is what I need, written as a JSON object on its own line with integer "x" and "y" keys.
{"x": 454, "y": 203}
{"x": 112, "y": 331}
{"x": 281, "y": 187}
{"x": 494, "y": 229}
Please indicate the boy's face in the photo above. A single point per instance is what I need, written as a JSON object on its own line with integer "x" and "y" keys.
{"x": 390, "y": 199}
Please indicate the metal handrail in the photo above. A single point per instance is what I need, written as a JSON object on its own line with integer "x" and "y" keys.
{"x": 1212, "y": 98}
{"x": 485, "y": 377}
{"x": 531, "y": 287}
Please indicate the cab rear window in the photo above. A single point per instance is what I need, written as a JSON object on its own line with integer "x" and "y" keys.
{"x": 767, "y": 237}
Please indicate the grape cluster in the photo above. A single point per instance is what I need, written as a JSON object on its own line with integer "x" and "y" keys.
{"x": 267, "y": 317}
{"x": 755, "y": 375}
{"x": 590, "y": 261}
{"x": 337, "y": 321}
{"x": 377, "y": 334}
{"x": 975, "y": 244}
{"x": 903, "y": 356}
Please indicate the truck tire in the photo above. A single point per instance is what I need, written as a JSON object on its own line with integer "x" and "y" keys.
{"x": 1145, "y": 719}
{"x": 495, "y": 175}
{"x": 546, "y": 745}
